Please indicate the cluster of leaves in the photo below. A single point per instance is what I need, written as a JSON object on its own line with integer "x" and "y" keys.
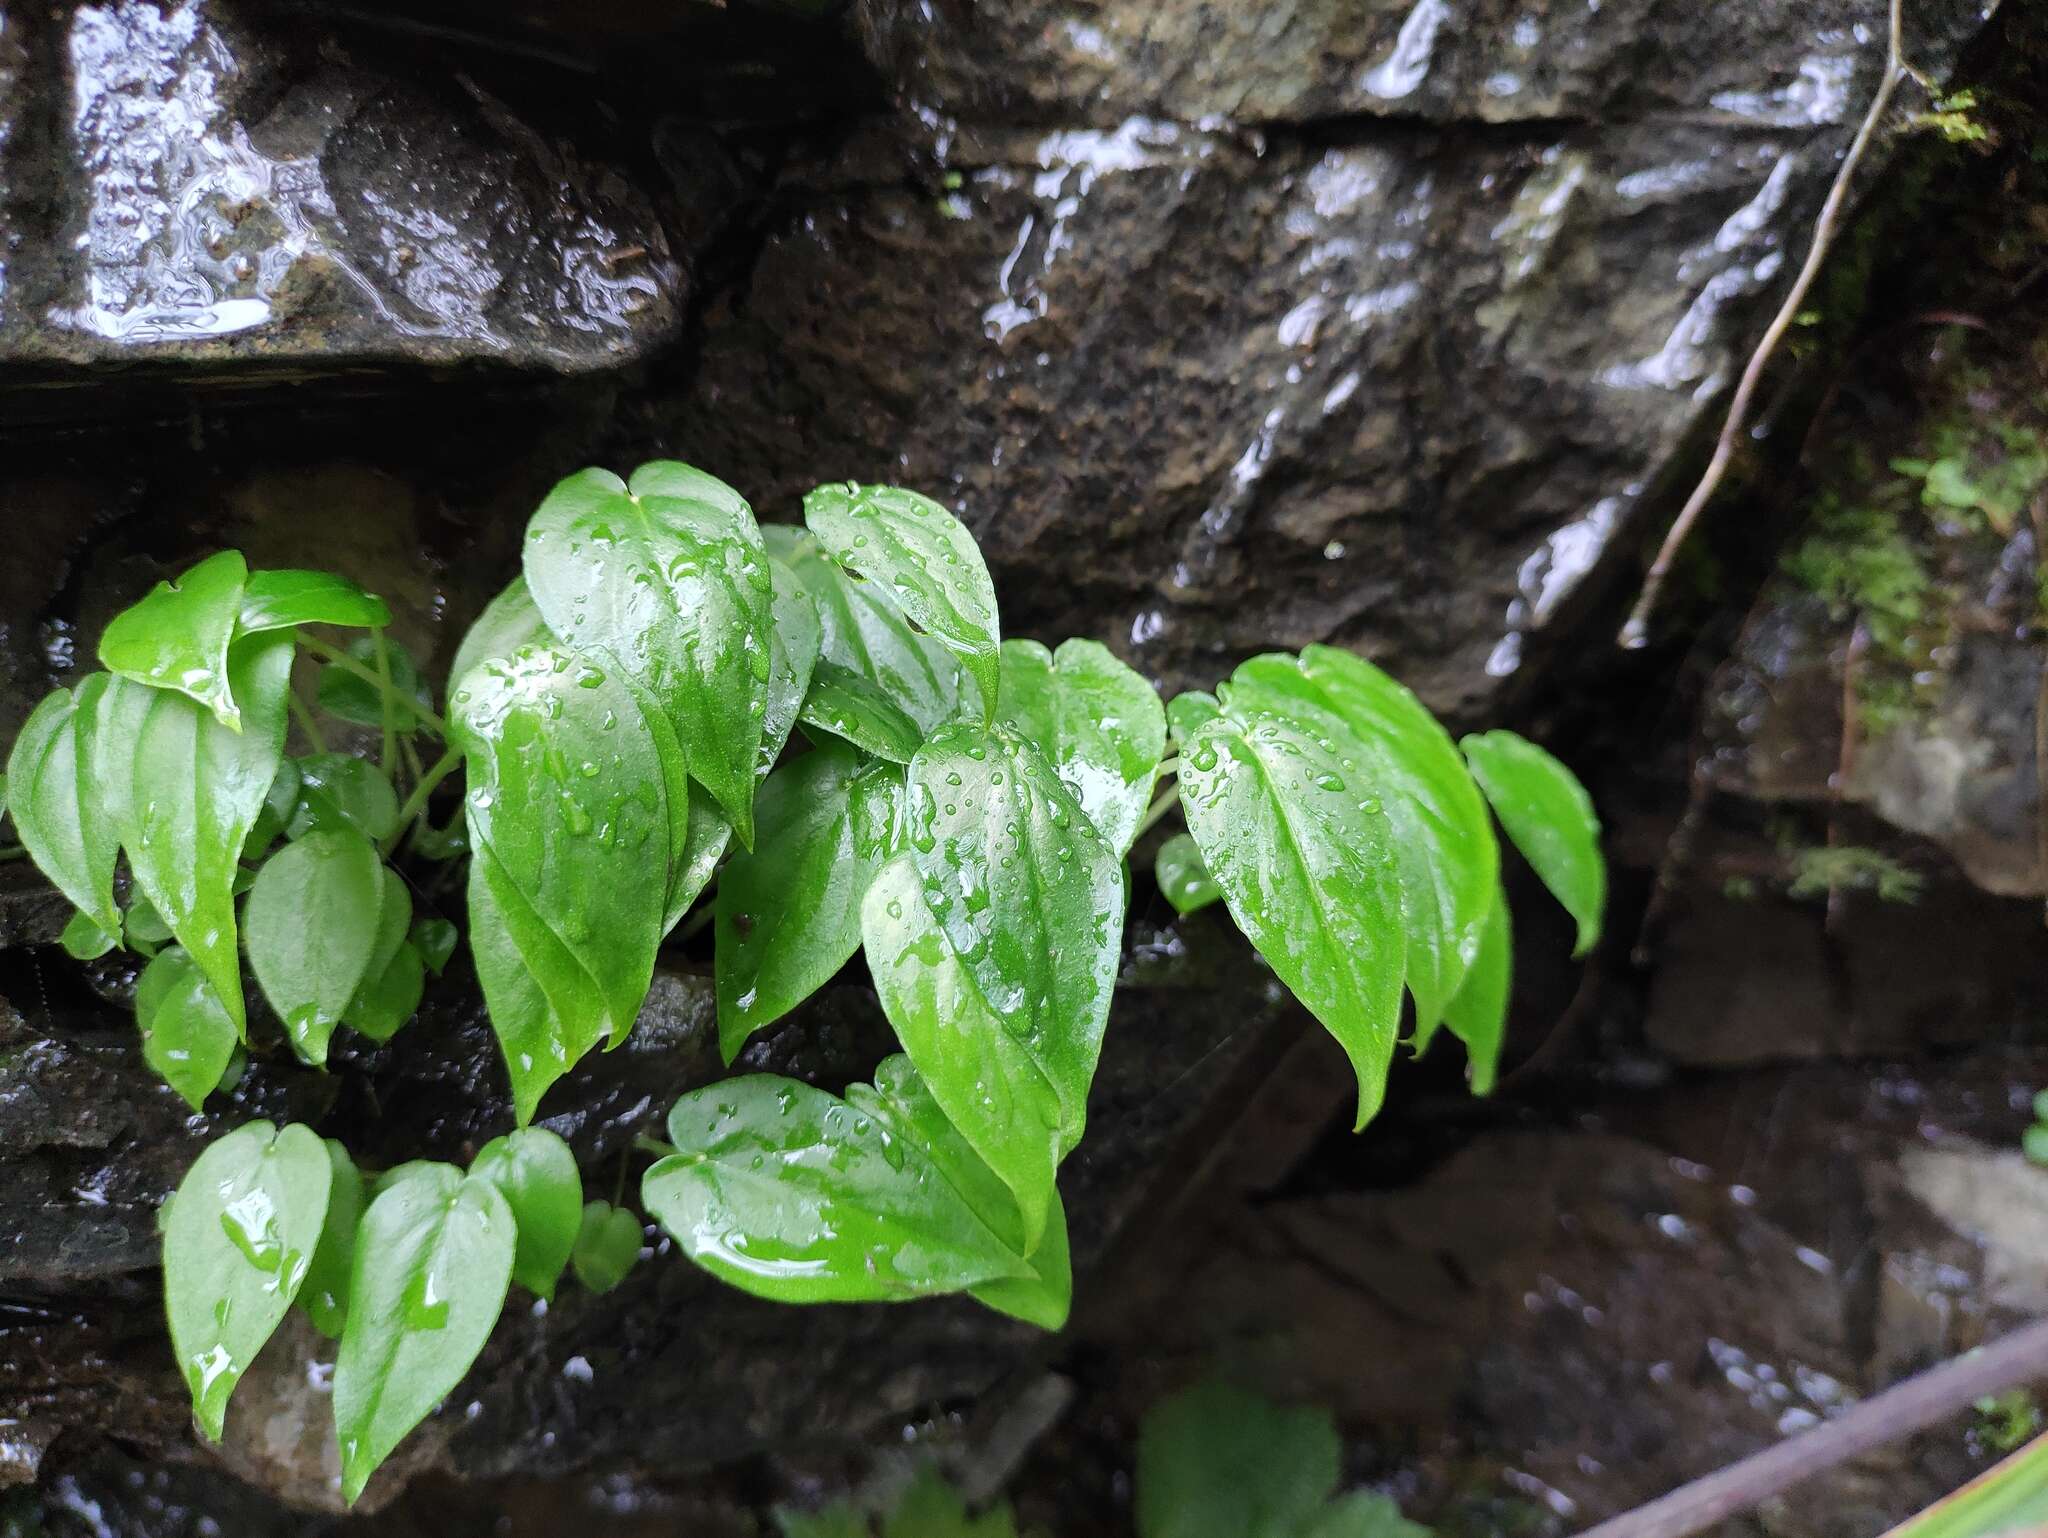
{"x": 960, "y": 809}
{"x": 1214, "y": 1461}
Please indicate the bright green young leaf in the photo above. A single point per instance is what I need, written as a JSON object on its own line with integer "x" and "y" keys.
{"x": 608, "y": 1243}
{"x": 1217, "y": 1462}
{"x": 1478, "y": 1013}
{"x": 509, "y": 621}
{"x": 867, "y": 635}
{"x": 278, "y": 600}
{"x": 142, "y": 926}
{"x": 434, "y": 938}
{"x": 341, "y": 792}
{"x": 788, "y": 914}
{"x": 324, "y": 1296}
{"x": 188, "y": 1036}
{"x": 791, "y": 1194}
{"x": 194, "y": 791}
{"x": 537, "y": 1175}
{"x": 924, "y": 558}
{"x": 793, "y": 644}
{"x": 177, "y": 637}
{"x": 433, "y": 1260}
{"x": 109, "y": 747}
{"x": 996, "y": 954}
{"x": 1186, "y": 712}
{"x": 856, "y": 709}
{"x": 673, "y": 478}
{"x": 84, "y": 940}
{"x": 395, "y": 977}
{"x": 1551, "y": 819}
{"x": 279, "y": 803}
{"x": 58, "y": 812}
{"x": 1304, "y": 856}
{"x": 566, "y": 803}
{"x": 2010, "y": 1498}
{"x": 348, "y": 696}
{"x": 312, "y": 919}
{"x": 1100, "y": 724}
{"x": 540, "y": 1044}
{"x": 677, "y": 591}
{"x": 239, "y": 1236}
{"x": 1390, "y": 748}
{"x": 903, "y": 1103}
{"x": 1183, "y": 879}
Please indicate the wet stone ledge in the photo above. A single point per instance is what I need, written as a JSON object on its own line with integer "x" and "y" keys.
{"x": 206, "y": 183}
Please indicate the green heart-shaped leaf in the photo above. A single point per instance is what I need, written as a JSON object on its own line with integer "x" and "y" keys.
{"x": 1551, "y": 819}
{"x": 188, "y": 1036}
{"x": 537, "y": 1174}
{"x": 238, "y": 1238}
{"x": 58, "y": 812}
{"x": 1183, "y": 879}
{"x": 433, "y": 1260}
{"x": 278, "y": 600}
{"x": 341, "y": 792}
{"x": 1100, "y": 724}
{"x": 608, "y": 1244}
{"x": 324, "y": 1296}
{"x": 312, "y": 919}
{"x": 177, "y": 637}
{"x": 509, "y": 621}
{"x": 856, "y": 709}
{"x": 924, "y": 558}
{"x": 1478, "y": 1013}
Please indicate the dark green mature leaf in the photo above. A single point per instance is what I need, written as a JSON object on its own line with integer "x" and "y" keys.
{"x": 349, "y": 696}
{"x": 566, "y": 797}
{"x": 537, "y": 1174}
{"x": 312, "y": 921}
{"x": 925, "y": 559}
{"x": 188, "y": 1036}
{"x": 143, "y": 928}
{"x": 434, "y": 938}
{"x": 433, "y": 1260}
{"x": 509, "y": 621}
{"x": 788, "y": 914}
{"x": 177, "y": 637}
{"x": 678, "y": 592}
{"x": 867, "y": 635}
{"x": 1304, "y": 855}
{"x": 1390, "y": 747}
{"x": 279, "y": 802}
{"x": 1217, "y": 1462}
{"x": 791, "y": 1194}
{"x": 324, "y": 1297}
{"x": 239, "y": 1236}
{"x": 278, "y": 600}
{"x": 55, "y": 803}
{"x": 858, "y": 710}
{"x": 1099, "y": 723}
{"x": 194, "y": 791}
{"x": 340, "y": 792}
{"x": 607, "y": 1246}
{"x": 996, "y": 960}
{"x": 1551, "y": 819}
{"x": 84, "y": 940}
{"x": 794, "y": 641}
{"x": 395, "y": 977}
{"x": 902, "y": 1101}
{"x": 1478, "y": 1013}
{"x": 1183, "y": 879}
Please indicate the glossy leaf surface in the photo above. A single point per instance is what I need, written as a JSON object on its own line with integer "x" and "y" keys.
{"x": 565, "y": 791}
{"x": 535, "y": 1172}
{"x": 678, "y": 593}
{"x": 433, "y": 1260}
{"x": 1303, "y": 854}
{"x": 509, "y": 621}
{"x": 434, "y": 938}
{"x": 238, "y": 1239}
{"x": 1186, "y": 712}
{"x": 1478, "y": 1013}
{"x": 788, "y": 914}
{"x": 278, "y": 600}
{"x": 188, "y": 1036}
{"x": 194, "y": 791}
{"x": 324, "y": 1296}
{"x": 55, "y": 804}
{"x": 856, "y": 709}
{"x": 608, "y": 1243}
{"x": 865, "y": 633}
{"x": 84, "y": 940}
{"x": 313, "y": 919}
{"x": 1100, "y": 724}
{"x": 395, "y": 977}
{"x": 925, "y": 559}
{"x": 338, "y": 792}
{"x": 1551, "y": 819}
{"x": 1183, "y": 879}
{"x": 794, "y": 641}
{"x": 177, "y": 637}
{"x": 792, "y": 1194}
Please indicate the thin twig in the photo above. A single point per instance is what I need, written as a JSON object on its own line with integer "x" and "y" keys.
{"x": 1898, "y": 1412}
{"x": 1636, "y": 632}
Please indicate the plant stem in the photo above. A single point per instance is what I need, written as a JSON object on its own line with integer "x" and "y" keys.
{"x": 654, "y": 1145}
{"x": 1636, "y": 632}
{"x": 12, "y": 852}
{"x": 1898, "y": 1412}
{"x": 387, "y": 757}
{"x": 1166, "y": 801}
{"x": 416, "y": 803}
{"x": 348, "y": 664}
{"x": 698, "y": 919}
{"x": 307, "y": 724}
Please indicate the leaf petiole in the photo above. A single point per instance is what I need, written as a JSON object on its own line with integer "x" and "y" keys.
{"x": 12, "y": 852}
{"x": 416, "y": 803}
{"x": 655, "y": 1146}
{"x": 368, "y": 675}
{"x": 304, "y": 718}
{"x": 387, "y": 757}
{"x": 1165, "y": 802}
